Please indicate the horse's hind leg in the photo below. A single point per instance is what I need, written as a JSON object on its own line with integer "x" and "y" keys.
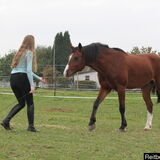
{"x": 158, "y": 95}
{"x": 157, "y": 88}
{"x": 157, "y": 92}
{"x": 102, "y": 94}
{"x": 147, "y": 98}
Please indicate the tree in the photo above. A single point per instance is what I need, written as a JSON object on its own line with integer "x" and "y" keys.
{"x": 5, "y": 63}
{"x": 135, "y": 50}
{"x": 44, "y": 58}
{"x": 142, "y": 50}
{"x": 62, "y": 50}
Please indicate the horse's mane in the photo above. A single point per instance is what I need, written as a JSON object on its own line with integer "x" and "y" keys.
{"x": 91, "y": 51}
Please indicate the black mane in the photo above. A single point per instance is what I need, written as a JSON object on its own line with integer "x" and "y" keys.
{"x": 91, "y": 51}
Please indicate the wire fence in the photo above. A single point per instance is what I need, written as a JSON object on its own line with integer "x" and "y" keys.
{"x": 83, "y": 81}
{"x": 55, "y": 79}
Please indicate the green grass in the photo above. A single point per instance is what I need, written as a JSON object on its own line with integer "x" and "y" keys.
{"x": 63, "y": 129}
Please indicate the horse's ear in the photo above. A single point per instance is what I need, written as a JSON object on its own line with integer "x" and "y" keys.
{"x": 80, "y": 46}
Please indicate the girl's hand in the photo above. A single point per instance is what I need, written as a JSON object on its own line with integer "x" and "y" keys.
{"x": 32, "y": 89}
{"x": 42, "y": 79}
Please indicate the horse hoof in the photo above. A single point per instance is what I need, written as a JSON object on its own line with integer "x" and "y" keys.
{"x": 147, "y": 129}
{"x": 92, "y": 127}
{"x": 122, "y": 130}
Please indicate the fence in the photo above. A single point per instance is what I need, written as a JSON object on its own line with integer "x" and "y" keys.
{"x": 54, "y": 78}
{"x": 58, "y": 82}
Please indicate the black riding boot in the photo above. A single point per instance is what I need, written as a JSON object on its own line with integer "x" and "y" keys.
{"x": 12, "y": 113}
{"x": 30, "y": 114}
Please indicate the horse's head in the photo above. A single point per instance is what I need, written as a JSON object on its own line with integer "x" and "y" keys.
{"x": 76, "y": 61}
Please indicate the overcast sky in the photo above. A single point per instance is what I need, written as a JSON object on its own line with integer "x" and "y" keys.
{"x": 118, "y": 23}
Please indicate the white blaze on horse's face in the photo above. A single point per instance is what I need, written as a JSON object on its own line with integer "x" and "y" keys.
{"x": 67, "y": 66}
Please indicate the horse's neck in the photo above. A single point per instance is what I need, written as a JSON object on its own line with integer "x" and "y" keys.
{"x": 111, "y": 59}
{"x": 95, "y": 67}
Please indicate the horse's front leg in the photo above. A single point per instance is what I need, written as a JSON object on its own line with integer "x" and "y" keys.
{"x": 121, "y": 96}
{"x": 102, "y": 94}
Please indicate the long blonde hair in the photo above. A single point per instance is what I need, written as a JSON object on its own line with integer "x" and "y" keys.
{"x": 27, "y": 44}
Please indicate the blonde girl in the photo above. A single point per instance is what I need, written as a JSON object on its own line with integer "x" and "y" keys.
{"x": 21, "y": 81}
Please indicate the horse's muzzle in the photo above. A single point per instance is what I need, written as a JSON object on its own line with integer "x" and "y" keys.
{"x": 68, "y": 73}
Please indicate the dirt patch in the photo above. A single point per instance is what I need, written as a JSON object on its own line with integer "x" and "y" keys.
{"x": 59, "y": 110}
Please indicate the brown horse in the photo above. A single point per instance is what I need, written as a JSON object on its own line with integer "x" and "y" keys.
{"x": 117, "y": 70}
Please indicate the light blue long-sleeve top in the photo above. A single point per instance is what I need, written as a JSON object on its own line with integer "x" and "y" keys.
{"x": 25, "y": 66}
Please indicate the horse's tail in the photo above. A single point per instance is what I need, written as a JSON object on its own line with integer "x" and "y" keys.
{"x": 155, "y": 91}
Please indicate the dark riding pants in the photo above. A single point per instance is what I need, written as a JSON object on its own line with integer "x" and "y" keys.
{"x": 20, "y": 85}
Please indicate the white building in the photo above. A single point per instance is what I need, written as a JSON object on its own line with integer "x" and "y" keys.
{"x": 88, "y": 75}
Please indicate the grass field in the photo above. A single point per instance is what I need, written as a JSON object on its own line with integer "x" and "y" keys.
{"x": 63, "y": 128}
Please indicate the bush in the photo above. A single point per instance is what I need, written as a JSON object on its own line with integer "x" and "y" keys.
{"x": 86, "y": 84}
{"x": 63, "y": 82}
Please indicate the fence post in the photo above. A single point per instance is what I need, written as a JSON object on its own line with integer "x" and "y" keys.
{"x": 54, "y": 69}
{"x": 77, "y": 86}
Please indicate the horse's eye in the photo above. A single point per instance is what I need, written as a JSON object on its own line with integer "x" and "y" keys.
{"x": 75, "y": 58}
